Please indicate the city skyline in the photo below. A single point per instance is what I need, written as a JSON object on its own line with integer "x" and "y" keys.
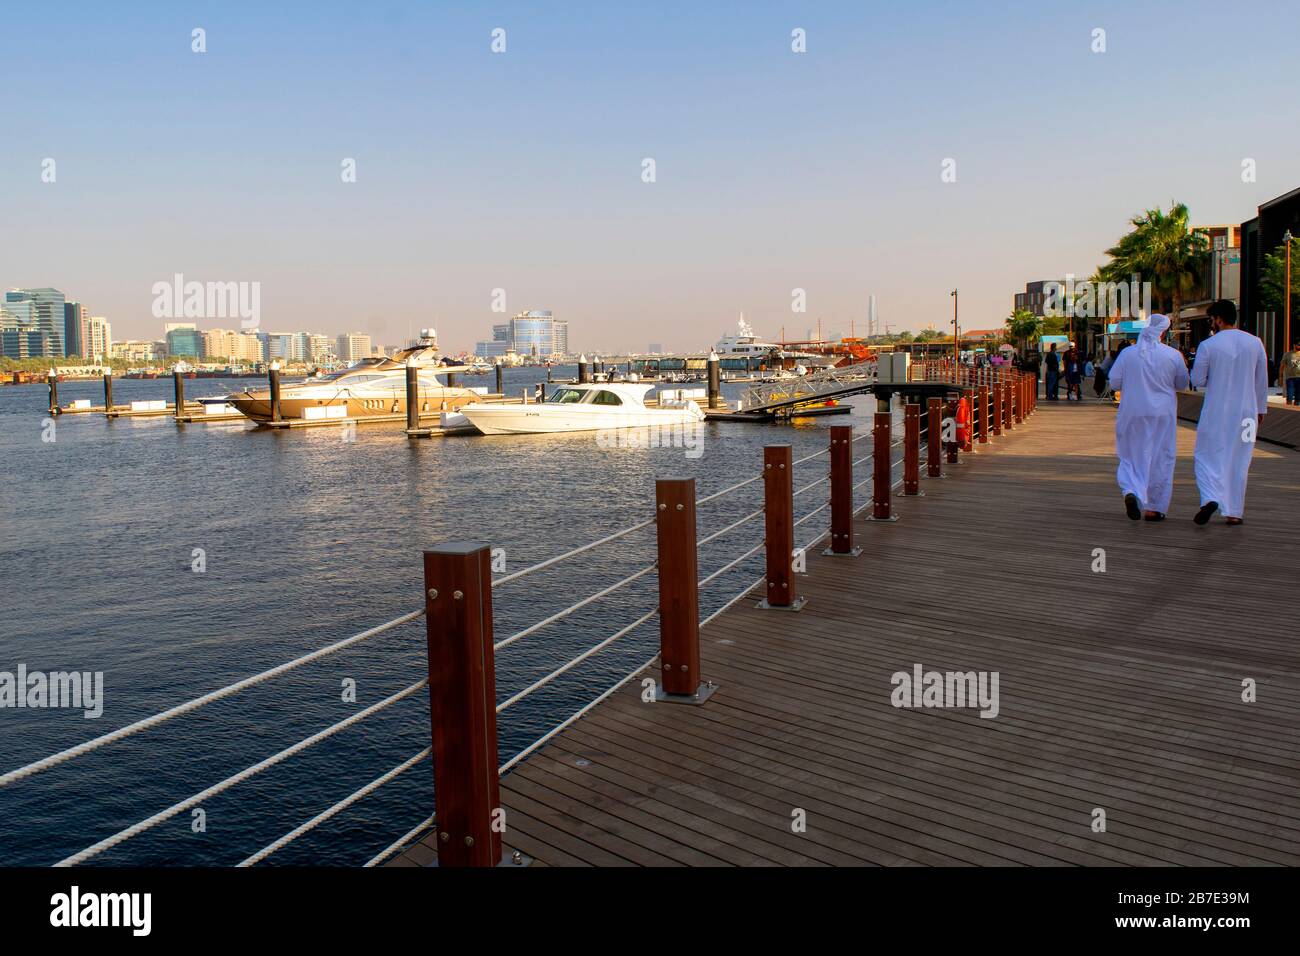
{"x": 518, "y": 176}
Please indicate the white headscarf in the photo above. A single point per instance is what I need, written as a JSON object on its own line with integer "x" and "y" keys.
{"x": 1149, "y": 338}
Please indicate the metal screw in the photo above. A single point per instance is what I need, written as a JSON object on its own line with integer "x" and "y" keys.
{"x": 458, "y": 594}
{"x": 444, "y": 837}
{"x": 517, "y": 858}
{"x": 469, "y": 841}
{"x": 433, "y": 594}
{"x": 662, "y": 506}
{"x": 683, "y": 667}
{"x": 680, "y": 507}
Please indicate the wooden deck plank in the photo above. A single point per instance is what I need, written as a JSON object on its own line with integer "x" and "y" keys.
{"x": 1119, "y": 690}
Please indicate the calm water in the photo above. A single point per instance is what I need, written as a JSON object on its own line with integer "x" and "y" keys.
{"x": 308, "y": 539}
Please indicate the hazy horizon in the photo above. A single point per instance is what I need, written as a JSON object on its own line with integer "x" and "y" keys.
{"x": 522, "y": 170}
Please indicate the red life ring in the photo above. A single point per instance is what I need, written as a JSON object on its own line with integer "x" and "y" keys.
{"x": 963, "y": 422}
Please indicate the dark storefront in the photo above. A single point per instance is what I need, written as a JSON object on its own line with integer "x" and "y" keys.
{"x": 1259, "y": 237}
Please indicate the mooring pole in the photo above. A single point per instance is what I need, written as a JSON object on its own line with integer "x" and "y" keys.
{"x": 108, "y": 390}
{"x": 501, "y": 387}
{"x": 715, "y": 379}
{"x": 178, "y": 389}
{"x": 412, "y": 400}
{"x": 462, "y": 702}
{"x": 273, "y": 377}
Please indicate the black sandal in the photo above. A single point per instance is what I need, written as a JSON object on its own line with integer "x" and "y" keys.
{"x": 1207, "y": 511}
{"x": 1131, "y": 507}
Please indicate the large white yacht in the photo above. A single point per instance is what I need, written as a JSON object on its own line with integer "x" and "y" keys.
{"x": 743, "y": 342}
{"x": 577, "y": 408}
{"x": 371, "y": 387}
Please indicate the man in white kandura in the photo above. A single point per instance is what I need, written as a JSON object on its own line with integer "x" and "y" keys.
{"x": 1149, "y": 376}
{"x": 1233, "y": 370}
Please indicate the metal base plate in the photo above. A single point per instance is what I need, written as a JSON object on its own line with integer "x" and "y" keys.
{"x": 796, "y": 605}
{"x": 842, "y": 554}
{"x": 512, "y": 859}
{"x": 702, "y": 693}
{"x": 874, "y": 518}
{"x": 916, "y": 494}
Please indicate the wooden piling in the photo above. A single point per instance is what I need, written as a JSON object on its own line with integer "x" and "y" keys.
{"x": 273, "y": 377}
{"x": 881, "y": 467}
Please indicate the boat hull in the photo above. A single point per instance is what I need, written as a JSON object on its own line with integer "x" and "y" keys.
{"x": 543, "y": 419}
{"x": 257, "y": 405}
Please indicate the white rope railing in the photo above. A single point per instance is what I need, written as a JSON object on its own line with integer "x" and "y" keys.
{"x": 401, "y": 841}
{"x": 726, "y": 491}
{"x": 811, "y": 485}
{"x": 533, "y": 569}
{"x": 163, "y": 815}
{"x": 130, "y": 729}
{"x": 704, "y": 582}
{"x": 338, "y": 808}
{"x": 603, "y": 592}
{"x": 731, "y": 527}
{"x": 537, "y": 685}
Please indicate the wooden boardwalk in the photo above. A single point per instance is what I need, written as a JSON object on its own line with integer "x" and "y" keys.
{"x": 1119, "y": 691}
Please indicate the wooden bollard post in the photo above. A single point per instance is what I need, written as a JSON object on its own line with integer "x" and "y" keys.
{"x": 1018, "y": 386}
{"x": 462, "y": 702}
{"x": 108, "y": 391}
{"x": 52, "y": 380}
{"x": 778, "y": 519}
{"x": 950, "y": 415}
{"x": 982, "y": 400}
{"x": 933, "y": 433}
{"x": 881, "y": 467}
{"x": 583, "y": 377}
{"x": 715, "y": 380}
{"x": 501, "y": 385}
{"x": 178, "y": 393}
{"x": 996, "y": 416}
{"x": 679, "y": 598}
{"x": 842, "y": 492}
{"x": 912, "y": 450}
{"x": 1006, "y": 406}
{"x": 413, "y": 429}
{"x": 273, "y": 380}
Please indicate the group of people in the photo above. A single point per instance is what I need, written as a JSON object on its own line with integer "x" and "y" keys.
{"x": 1072, "y": 367}
{"x": 1231, "y": 368}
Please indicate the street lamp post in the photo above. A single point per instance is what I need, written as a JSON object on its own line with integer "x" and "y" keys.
{"x": 1286, "y": 298}
{"x": 956, "y": 338}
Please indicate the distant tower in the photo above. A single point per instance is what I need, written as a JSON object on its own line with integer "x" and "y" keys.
{"x": 871, "y": 316}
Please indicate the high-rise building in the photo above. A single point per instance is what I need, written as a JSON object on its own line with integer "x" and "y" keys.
{"x": 238, "y": 347}
{"x": 318, "y": 347}
{"x": 47, "y": 314}
{"x": 74, "y": 328}
{"x": 184, "y": 339}
{"x": 99, "y": 337}
{"x": 537, "y": 334}
{"x": 283, "y": 346}
{"x": 352, "y": 346}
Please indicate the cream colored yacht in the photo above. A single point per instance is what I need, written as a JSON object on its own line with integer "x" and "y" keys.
{"x": 372, "y": 387}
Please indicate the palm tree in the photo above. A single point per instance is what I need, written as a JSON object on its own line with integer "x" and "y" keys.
{"x": 1023, "y": 325}
{"x": 1164, "y": 250}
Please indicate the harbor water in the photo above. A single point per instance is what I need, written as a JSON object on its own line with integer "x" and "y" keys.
{"x": 176, "y": 560}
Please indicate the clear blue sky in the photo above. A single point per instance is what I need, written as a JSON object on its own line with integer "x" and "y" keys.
{"x": 522, "y": 170}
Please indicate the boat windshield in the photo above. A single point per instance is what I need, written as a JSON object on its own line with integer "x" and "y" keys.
{"x": 565, "y": 396}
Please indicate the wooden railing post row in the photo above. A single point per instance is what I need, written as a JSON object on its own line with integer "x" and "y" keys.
{"x": 1006, "y": 406}
{"x": 842, "y": 492}
{"x": 1020, "y": 398}
{"x": 950, "y": 414}
{"x": 462, "y": 702}
{"x": 996, "y": 416}
{"x": 778, "y": 523}
{"x": 933, "y": 434}
{"x": 679, "y": 595}
{"x": 912, "y": 449}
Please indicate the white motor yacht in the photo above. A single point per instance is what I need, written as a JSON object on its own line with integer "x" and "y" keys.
{"x": 578, "y": 408}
